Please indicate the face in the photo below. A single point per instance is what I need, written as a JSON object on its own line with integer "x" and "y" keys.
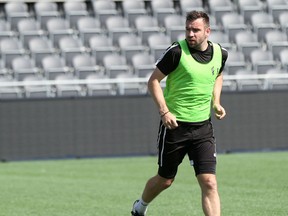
{"x": 197, "y": 33}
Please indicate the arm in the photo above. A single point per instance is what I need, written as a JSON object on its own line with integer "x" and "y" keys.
{"x": 155, "y": 89}
{"x": 219, "y": 110}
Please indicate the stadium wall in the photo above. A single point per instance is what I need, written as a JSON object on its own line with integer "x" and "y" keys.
{"x": 124, "y": 126}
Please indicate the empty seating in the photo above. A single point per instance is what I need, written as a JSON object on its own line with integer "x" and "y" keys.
{"x": 58, "y": 28}
{"x": 97, "y": 87}
{"x": 262, "y": 22}
{"x": 9, "y": 91}
{"x": 132, "y": 9}
{"x": 70, "y": 46}
{"x": 28, "y": 29}
{"x": 34, "y": 87}
{"x": 10, "y": 48}
{"x": 145, "y": 26}
{"x": 104, "y": 9}
{"x": 23, "y": 66}
{"x": 262, "y": 61}
{"x": 246, "y": 41}
{"x": 117, "y": 26}
{"x": 88, "y": 26}
{"x": 65, "y": 86}
{"x": 245, "y": 82}
{"x": 16, "y": 11}
{"x": 53, "y": 65}
{"x": 276, "y": 8}
{"x": 74, "y": 10}
{"x": 129, "y": 88}
{"x": 84, "y": 65}
{"x": 219, "y": 8}
{"x": 101, "y": 45}
{"x": 115, "y": 64}
{"x": 162, "y": 8}
{"x": 232, "y": 24}
{"x": 45, "y": 10}
{"x": 276, "y": 41}
{"x": 284, "y": 59}
{"x": 235, "y": 62}
{"x": 221, "y": 38}
{"x": 274, "y": 79}
{"x": 174, "y": 25}
{"x": 188, "y": 5}
{"x": 130, "y": 44}
{"x": 249, "y": 7}
{"x": 158, "y": 43}
{"x": 40, "y": 47}
{"x": 143, "y": 64}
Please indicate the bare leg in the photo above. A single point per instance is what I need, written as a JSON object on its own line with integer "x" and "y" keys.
{"x": 210, "y": 197}
{"x": 154, "y": 187}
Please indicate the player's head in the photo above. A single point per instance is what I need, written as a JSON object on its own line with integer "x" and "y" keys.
{"x": 197, "y": 29}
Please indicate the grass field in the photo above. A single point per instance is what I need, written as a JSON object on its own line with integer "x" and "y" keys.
{"x": 253, "y": 184}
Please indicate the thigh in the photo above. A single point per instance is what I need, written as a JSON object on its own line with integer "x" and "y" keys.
{"x": 202, "y": 153}
{"x": 170, "y": 153}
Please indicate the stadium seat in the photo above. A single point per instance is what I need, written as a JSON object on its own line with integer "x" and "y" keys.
{"x": 129, "y": 88}
{"x": 130, "y": 44}
{"x": 10, "y": 48}
{"x": 162, "y": 8}
{"x": 97, "y": 88}
{"x": 16, "y": 11}
{"x": 232, "y": 24}
{"x": 246, "y": 83}
{"x": 70, "y": 46}
{"x": 104, "y": 9}
{"x": 66, "y": 89}
{"x": 40, "y": 47}
{"x": 188, "y": 5}
{"x": 84, "y": 65}
{"x": 88, "y": 26}
{"x": 34, "y": 87}
{"x": 101, "y": 45}
{"x": 283, "y": 21}
{"x": 143, "y": 64}
{"x": 117, "y": 26}
{"x": 23, "y": 66}
{"x": 276, "y": 8}
{"x": 115, "y": 64}
{"x": 45, "y": 10}
{"x": 262, "y": 61}
{"x": 132, "y": 9}
{"x": 58, "y": 28}
{"x": 53, "y": 65}
{"x": 9, "y": 92}
{"x": 219, "y": 7}
{"x": 5, "y": 31}
{"x": 284, "y": 59}
{"x": 246, "y": 41}
{"x": 262, "y": 22}
{"x": 273, "y": 83}
{"x": 28, "y": 29}
{"x": 276, "y": 41}
{"x": 249, "y": 7}
{"x": 221, "y": 38}
{"x": 174, "y": 25}
{"x": 145, "y": 26}
{"x": 158, "y": 43}
{"x": 236, "y": 61}
{"x": 74, "y": 10}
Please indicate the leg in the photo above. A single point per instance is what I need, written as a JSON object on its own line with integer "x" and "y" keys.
{"x": 154, "y": 187}
{"x": 210, "y": 197}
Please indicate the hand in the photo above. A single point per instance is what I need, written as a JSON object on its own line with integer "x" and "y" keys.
{"x": 169, "y": 121}
{"x": 220, "y": 112}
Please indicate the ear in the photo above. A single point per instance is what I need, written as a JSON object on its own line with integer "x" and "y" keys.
{"x": 208, "y": 31}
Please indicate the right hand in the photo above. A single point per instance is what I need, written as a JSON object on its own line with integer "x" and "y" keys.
{"x": 169, "y": 121}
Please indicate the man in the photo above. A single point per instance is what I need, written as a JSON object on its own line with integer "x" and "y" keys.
{"x": 194, "y": 78}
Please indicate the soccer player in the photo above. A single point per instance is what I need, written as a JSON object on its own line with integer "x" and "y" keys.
{"x": 193, "y": 67}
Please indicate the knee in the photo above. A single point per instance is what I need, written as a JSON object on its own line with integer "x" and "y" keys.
{"x": 165, "y": 183}
{"x": 208, "y": 183}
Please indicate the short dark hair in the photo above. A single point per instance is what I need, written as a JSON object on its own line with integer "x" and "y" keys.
{"x": 193, "y": 15}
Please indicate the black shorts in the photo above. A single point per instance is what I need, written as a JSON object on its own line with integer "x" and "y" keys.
{"x": 194, "y": 139}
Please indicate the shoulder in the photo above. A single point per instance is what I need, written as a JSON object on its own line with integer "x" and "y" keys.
{"x": 224, "y": 52}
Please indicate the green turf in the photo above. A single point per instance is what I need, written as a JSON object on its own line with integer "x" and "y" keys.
{"x": 249, "y": 184}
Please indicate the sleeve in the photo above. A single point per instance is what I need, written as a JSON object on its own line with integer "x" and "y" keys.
{"x": 169, "y": 61}
{"x": 224, "y": 58}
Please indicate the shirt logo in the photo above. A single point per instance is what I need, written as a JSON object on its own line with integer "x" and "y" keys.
{"x": 212, "y": 70}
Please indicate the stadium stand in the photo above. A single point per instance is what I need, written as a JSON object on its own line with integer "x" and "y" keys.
{"x": 136, "y": 31}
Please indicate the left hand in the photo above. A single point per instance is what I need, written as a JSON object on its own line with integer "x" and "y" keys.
{"x": 220, "y": 112}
